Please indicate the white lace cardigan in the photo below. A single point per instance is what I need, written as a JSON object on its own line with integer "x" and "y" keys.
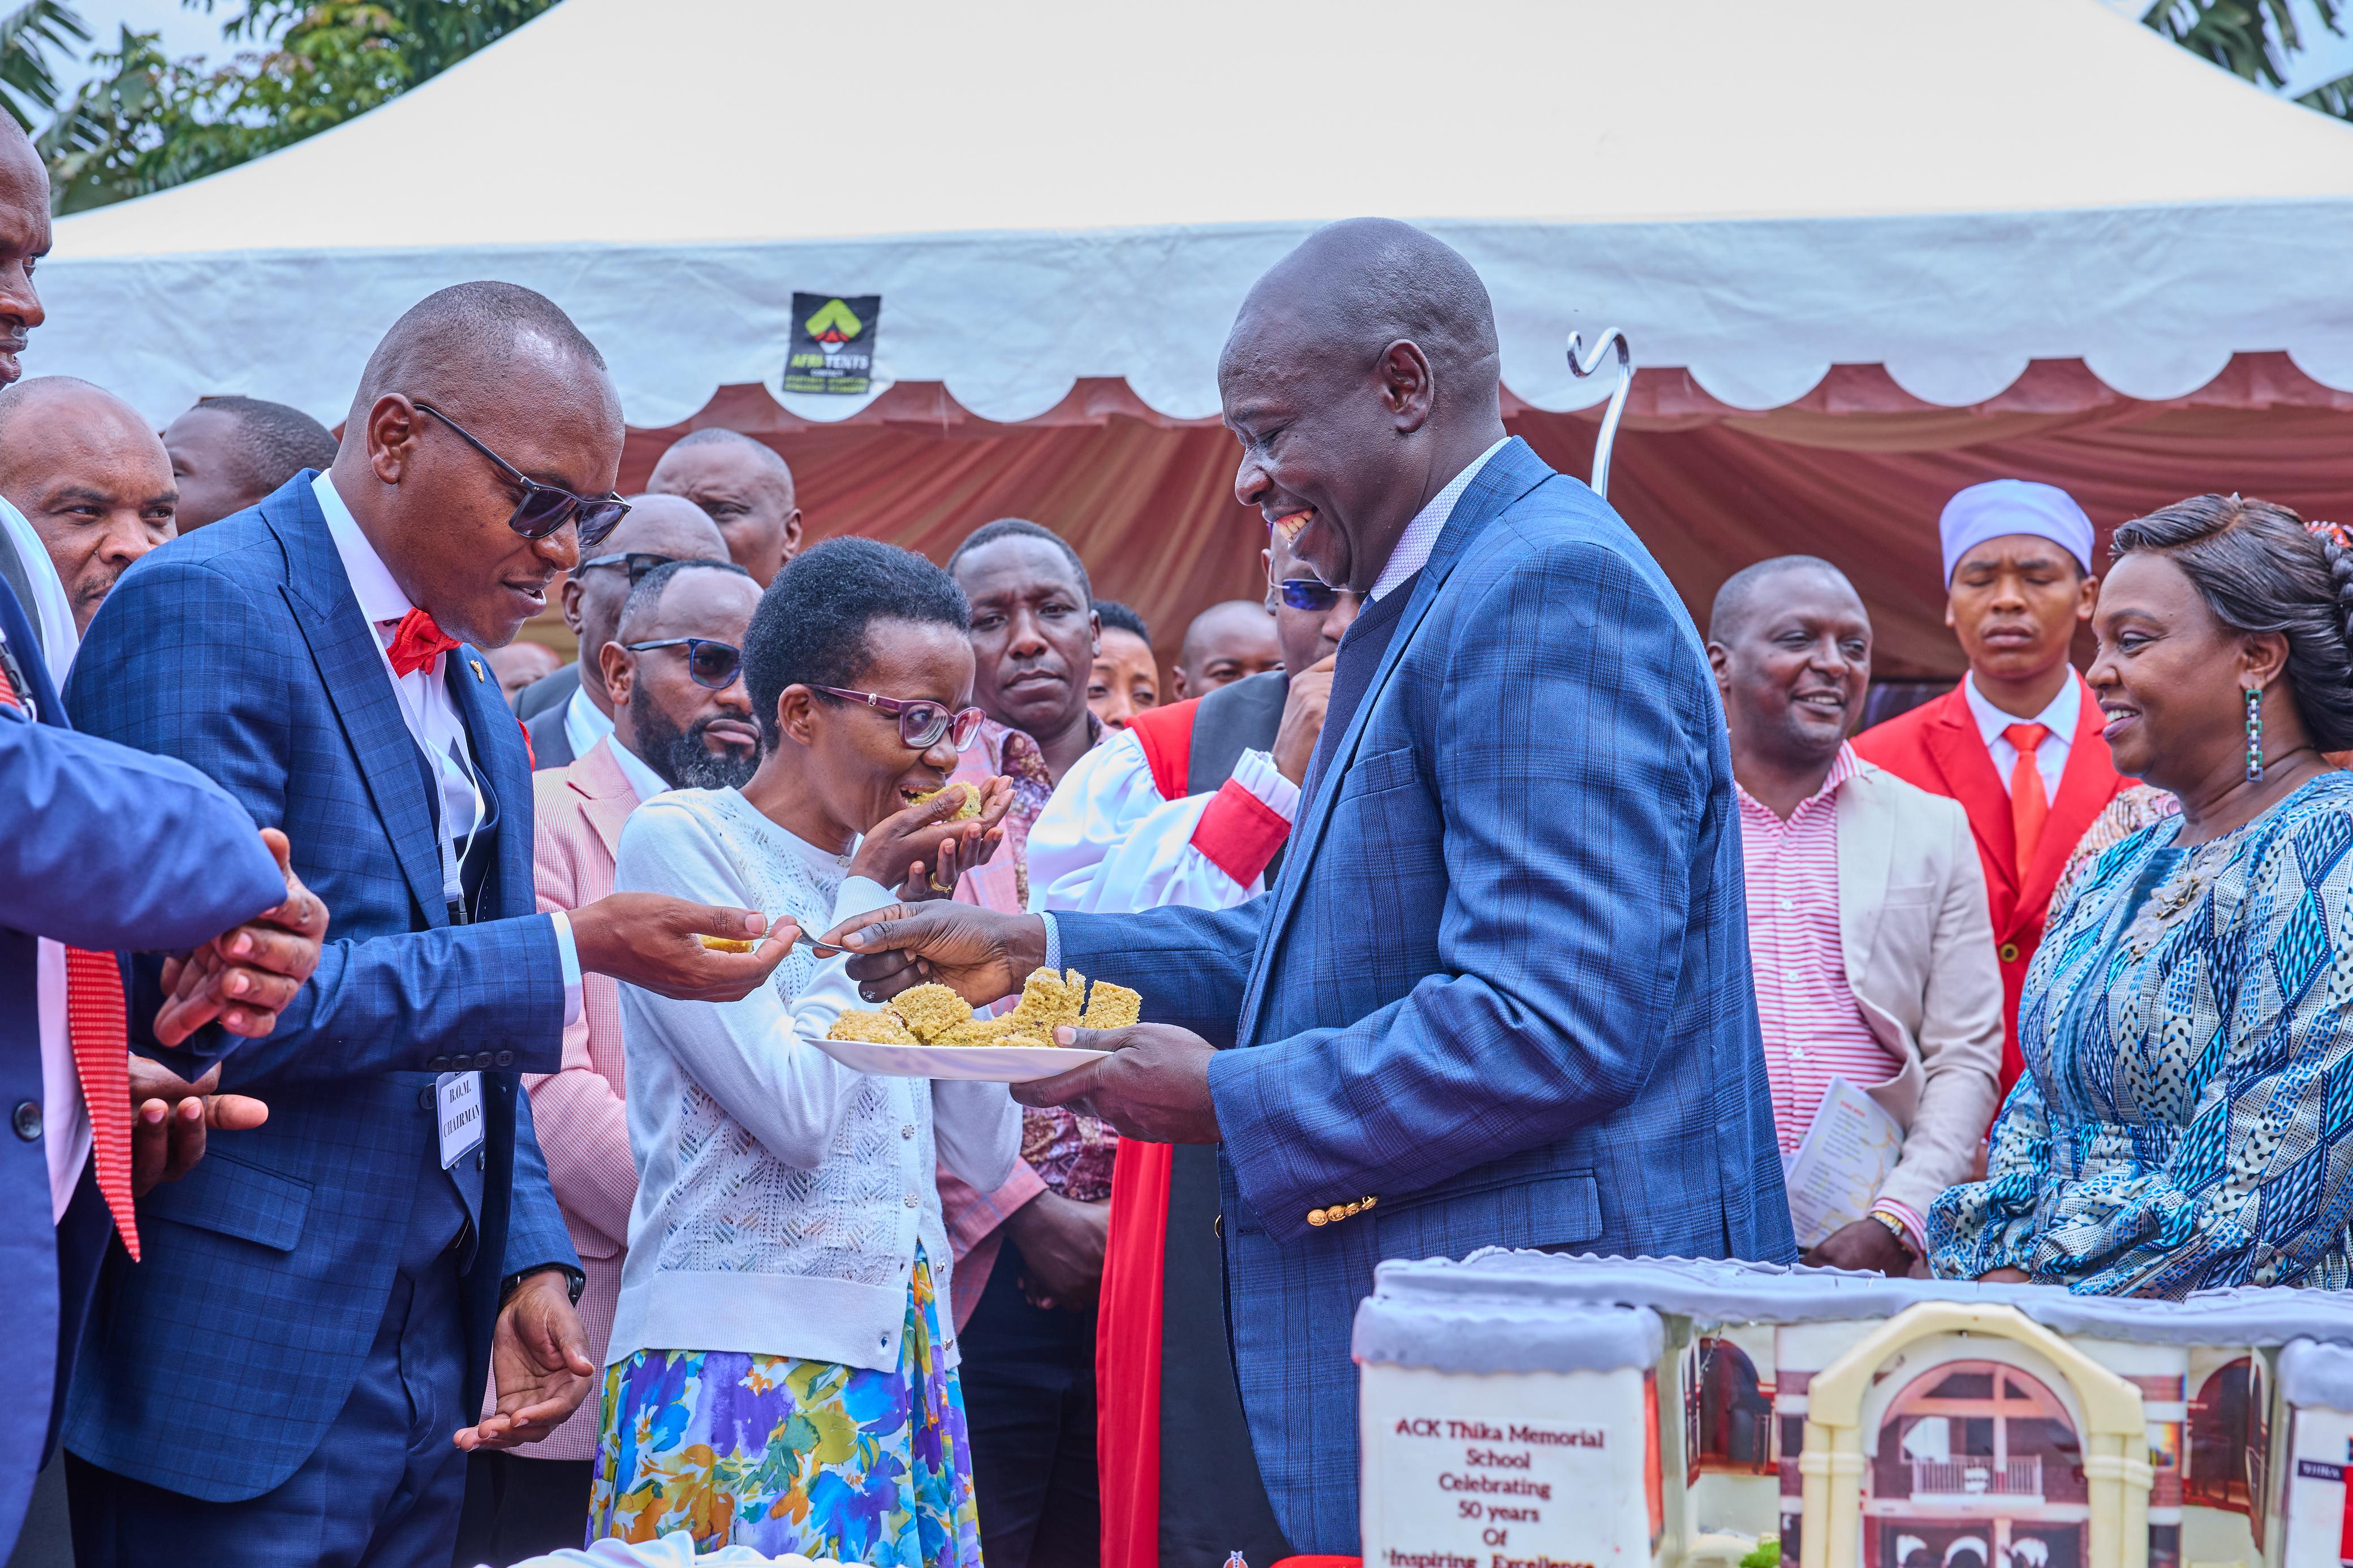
{"x": 781, "y": 1196}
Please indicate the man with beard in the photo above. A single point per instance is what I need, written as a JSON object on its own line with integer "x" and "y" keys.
{"x": 93, "y": 479}
{"x": 570, "y": 711}
{"x": 681, "y": 720}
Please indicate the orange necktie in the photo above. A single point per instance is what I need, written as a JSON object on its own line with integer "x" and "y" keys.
{"x": 2030, "y": 807}
{"x": 97, "y": 1025}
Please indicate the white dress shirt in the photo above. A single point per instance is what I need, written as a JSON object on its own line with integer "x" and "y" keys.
{"x": 584, "y": 723}
{"x": 642, "y": 779}
{"x": 65, "y": 1121}
{"x": 1412, "y": 552}
{"x": 426, "y": 706}
{"x": 1420, "y": 536}
{"x": 2051, "y": 756}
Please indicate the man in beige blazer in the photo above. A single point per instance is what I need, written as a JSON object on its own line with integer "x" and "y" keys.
{"x": 680, "y": 718}
{"x": 1869, "y": 935}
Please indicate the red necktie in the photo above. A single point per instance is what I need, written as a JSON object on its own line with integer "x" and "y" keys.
{"x": 418, "y": 643}
{"x": 2030, "y": 807}
{"x": 97, "y": 1024}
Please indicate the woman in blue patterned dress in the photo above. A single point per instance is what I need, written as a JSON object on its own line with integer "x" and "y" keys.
{"x": 2185, "y": 1119}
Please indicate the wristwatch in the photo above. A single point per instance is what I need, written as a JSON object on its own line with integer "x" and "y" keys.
{"x": 1895, "y": 1229}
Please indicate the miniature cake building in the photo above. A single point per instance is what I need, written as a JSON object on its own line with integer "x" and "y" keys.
{"x": 1525, "y": 1410}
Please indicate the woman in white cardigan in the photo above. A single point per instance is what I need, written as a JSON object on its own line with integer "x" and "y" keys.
{"x": 782, "y": 1370}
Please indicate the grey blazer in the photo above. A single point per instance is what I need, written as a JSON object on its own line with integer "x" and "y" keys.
{"x": 1918, "y": 944}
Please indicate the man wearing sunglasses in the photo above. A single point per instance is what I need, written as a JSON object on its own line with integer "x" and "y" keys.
{"x": 570, "y": 711}
{"x": 1499, "y": 993}
{"x": 385, "y": 1247}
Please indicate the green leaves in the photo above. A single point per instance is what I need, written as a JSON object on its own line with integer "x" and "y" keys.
{"x": 27, "y": 34}
{"x": 2252, "y": 39}
{"x": 146, "y": 122}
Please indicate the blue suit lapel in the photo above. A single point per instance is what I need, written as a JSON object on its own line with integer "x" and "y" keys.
{"x": 497, "y": 741}
{"x": 1509, "y": 475}
{"x": 344, "y": 647}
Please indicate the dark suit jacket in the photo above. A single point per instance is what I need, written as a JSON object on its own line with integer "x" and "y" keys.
{"x": 242, "y": 650}
{"x": 108, "y": 848}
{"x": 548, "y": 691}
{"x": 1500, "y": 994}
{"x": 550, "y": 743}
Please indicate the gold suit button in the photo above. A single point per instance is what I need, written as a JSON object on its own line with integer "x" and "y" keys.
{"x": 1317, "y": 1217}
{"x": 1353, "y": 1210}
{"x": 2007, "y": 952}
{"x": 1370, "y": 1200}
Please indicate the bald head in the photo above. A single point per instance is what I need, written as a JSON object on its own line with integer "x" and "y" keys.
{"x": 1361, "y": 376}
{"x": 24, "y": 239}
{"x": 93, "y": 479}
{"x": 476, "y": 392}
{"x": 594, "y": 597}
{"x": 455, "y": 347}
{"x": 1226, "y": 642}
{"x": 1350, "y": 291}
{"x": 746, "y": 487}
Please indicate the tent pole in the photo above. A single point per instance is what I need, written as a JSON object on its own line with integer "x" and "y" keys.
{"x": 1580, "y": 365}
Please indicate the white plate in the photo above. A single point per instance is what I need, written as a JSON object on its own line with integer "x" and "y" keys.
{"x": 985, "y": 1064}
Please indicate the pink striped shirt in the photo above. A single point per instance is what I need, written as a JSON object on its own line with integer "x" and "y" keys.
{"x": 1813, "y": 1029}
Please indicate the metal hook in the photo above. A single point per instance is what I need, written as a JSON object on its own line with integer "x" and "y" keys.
{"x": 1580, "y": 365}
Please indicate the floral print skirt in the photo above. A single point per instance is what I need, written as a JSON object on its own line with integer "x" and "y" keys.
{"x": 784, "y": 1454}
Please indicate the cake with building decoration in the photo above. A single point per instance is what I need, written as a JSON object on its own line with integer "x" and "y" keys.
{"x": 1525, "y": 1410}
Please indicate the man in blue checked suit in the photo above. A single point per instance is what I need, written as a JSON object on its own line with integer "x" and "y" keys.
{"x": 1500, "y": 993}
{"x": 291, "y": 1373}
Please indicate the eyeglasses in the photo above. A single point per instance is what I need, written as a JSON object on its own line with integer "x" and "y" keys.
{"x": 544, "y": 508}
{"x": 1307, "y": 593}
{"x": 712, "y": 664}
{"x": 639, "y": 562}
{"x": 921, "y": 722}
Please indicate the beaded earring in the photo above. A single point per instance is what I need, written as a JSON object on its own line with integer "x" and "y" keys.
{"x": 2255, "y": 734}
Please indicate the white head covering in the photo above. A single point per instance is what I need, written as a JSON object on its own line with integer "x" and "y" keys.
{"x": 51, "y": 610}
{"x": 2013, "y": 506}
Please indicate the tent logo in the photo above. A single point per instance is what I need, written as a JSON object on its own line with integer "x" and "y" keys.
{"x": 832, "y": 350}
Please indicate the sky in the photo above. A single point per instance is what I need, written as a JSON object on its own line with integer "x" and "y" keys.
{"x": 2324, "y": 58}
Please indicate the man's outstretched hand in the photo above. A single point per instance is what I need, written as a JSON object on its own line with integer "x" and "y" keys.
{"x": 1153, "y": 1086}
{"x": 539, "y": 1365}
{"x": 246, "y": 976}
{"x": 653, "y": 941}
{"x": 169, "y": 1117}
{"x": 978, "y": 953}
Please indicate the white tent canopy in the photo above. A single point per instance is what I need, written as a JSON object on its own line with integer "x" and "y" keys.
{"x": 1053, "y": 190}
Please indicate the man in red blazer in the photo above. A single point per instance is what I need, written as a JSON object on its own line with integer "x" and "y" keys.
{"x": 2019, "y": 742}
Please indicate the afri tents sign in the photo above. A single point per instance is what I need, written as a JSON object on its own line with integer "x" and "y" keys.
{"x": 833, "y": 343}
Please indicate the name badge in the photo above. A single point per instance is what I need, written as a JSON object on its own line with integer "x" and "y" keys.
{"x": 460, "y": 1096}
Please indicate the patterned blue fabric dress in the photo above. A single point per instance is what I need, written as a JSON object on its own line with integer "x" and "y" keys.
{"x": 2183, "y": 1119}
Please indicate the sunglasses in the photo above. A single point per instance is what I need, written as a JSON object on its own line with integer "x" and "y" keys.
{"x": 712, "y": 664}
{"x": 638, "y": 561}
{"x": 1307, "y": 593}
{"x": 921, "y": 722}
{"x": 544, "y": 508}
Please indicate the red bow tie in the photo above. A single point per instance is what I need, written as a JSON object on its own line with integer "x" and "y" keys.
{"x": 418, "y": 643}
